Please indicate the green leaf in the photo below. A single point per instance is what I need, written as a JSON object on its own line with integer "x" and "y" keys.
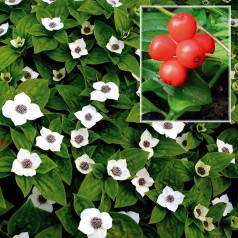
{"x": 69, "y": 219}
{"x": 61, "y": 37}
{"x": 122, "y": 22}
{"x": 105, "y": 204}
{"x": 185, "y": 169}
{"x": 134, "y": 115}
{"x": 55, "y": 125}
{"x": 68, "y": 125}
{"x": 38, "y": 30}
{"x": 58, "y": 8}
{"x": 6, "y": 163}
{"x": 216, "y": 211}
{"x": 43, "y": 67}
{"x": 8, "y": 56}
{"x": 191, "y": 230}
{"x": 29, "y": 131}
{"x": 20, "y": 140}
{"x": 5, "y": 138}
{"x": 37, "y": 90}
{"x": 17, "y": 14}
{"x": 2, "y": 201}
{"x": 51, "y": 186}
{"x": 158, "y": 214}
{"x": 129, "y": 63}
{"x": 46, "y": 165}
{"x": 81, "y": 203}
{"x": 53, "y": 231}
{"x": 98, "y": 170}
{"x": 111, "y": 187}
{"x": 60, "y": 54}
{"x": 123, "y": 102}
{"x": 24, "y": 183}
{"x": 220, "y": 185}
{"x": 25, "y": 216}
{"x": 9, "y": 206}
{"x": 87, "y": 7}
{"x": 43, "y": 43}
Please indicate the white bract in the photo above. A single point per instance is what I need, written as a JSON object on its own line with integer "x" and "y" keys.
{"x": 114, "y": 3}
{"x": 182, "y": 140}
{"x": 234, "y": 22}
{"x": 147, "y": 142}
{"x": 22, "y": 235}
{"x": 224, "y": 198}
{"x": 12, "y": 2}
{"x": 232, "y": 74}
{"x": 18, "y": 42}
{"x": 39, "y": 201}
{"x": 138, "y": 52}
{"x": 26, "y": 163}
{"x": 104, "y": 91}
{"x": 142, "y": 181}
{"x": 200, "y": 212}
{"x": 118, "y": 169}
{"x": 4, "y": 28}
{"x": 48, "y": 1}
{"x": 83, "y": 164}
{"x": 88, "y": 116}
{"x": 94, "y": 223}
{"x": 134, "y": 215}
{"x": 21, "y": 109}
{"x": 208, "y": 225}
{"x": 87, "y": 28}
{"x": 202, "y": 169}
{"x": 115, "y": 45}
{"x": 52, "y": 24}
{"x": 78, "y": 48}
{"x": 138, "y": 91}
{"x": 169, "y": 129}
{"x": 49, "y": 140}
{"x": 136, "y": 77}
{"x": 6, "y": 77}
{"x": 59, "y": 74}
{"x": 79, "y": 137}
{"x": 29, "y": 74}
{"x": 226, "y": 148}
{"x": 170, "y": 199}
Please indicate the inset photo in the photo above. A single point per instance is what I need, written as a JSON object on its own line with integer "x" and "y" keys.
{"x": 185, "y": 63}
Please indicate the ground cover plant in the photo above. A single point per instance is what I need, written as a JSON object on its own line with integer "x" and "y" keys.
{"x": 75, "y": 161}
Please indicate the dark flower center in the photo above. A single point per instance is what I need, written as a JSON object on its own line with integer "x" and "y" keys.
{"x": 205, "y": 223}
{"x": 88, "y": 116}
{"x": 146, "y": 143}
{"x": 116, "y": 171}
{"x": 225, "y": 149}
{"x": 201, "y": 170}
{"x": 78, "y": 139}
{"x": 170, "y": 198}
{"x": 84, "y": 166}
{"x": 86, "y": 29}
{"x": 168, "y": 125}
{"x": 105, "y": 89}
{"x": 41, "y": 199}
{"x": 22, "y": 109}
{"x": 141, "y": 181}
{"x": 27, "y": 75}
{"x": 96, "y": 222}
{"x": 1, "y": 30}
{"x": 7, "y": 79}
{"x": 198, "y": 212}
{"x": 50, "y": 138}
{"x": 59, "y": 75}
{"x": 184, "y": 143}
{"x": 12, "y": 1}
{"x": 52, "y": 25}
{"x": 26, "y": 163}
{"x": 77, "y": 49}
{"x": 115, "y": 46}
{"x": 232, "y": 22}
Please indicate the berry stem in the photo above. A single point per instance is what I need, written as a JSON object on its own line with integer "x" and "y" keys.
{"x": 217, "y": 75}
{"x": 199, "y": 27}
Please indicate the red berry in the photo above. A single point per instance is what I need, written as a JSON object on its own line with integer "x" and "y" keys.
{"x": 162, "y": 48}
{"x": 172, "y": 72}
{"x": 206, "y": 42}
{"x": 190, "y": 54}
{"x": 182, "y": 27}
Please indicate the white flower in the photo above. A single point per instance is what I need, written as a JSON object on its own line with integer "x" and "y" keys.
{"x": 142, "y": 182}
{"x": 21, "y": 109}
{"x": 224, "y": 198}
{"x": 170, "y": 199}
{"x": 202, "y": 169}
{"x": 147, "y": 142}
{"x": 6, "y": 77}
{"x": 226, "y": 148}
{"x": 18, "y": 42}
{"x": 200, "y": 212}
{"x": 95, "y": 224}
{"x": 138, "y": 91}
{"x": 136, "y": 77}
{"x": 39, "y": 201}
{"x": 88, "y": 116}
{"x": 22, "y": 235}
{"x": 12, "y": 2}
{"x": 169, "y": 129}
{"x": 26, "y": 163}
{"x": 134, "y": 215}
{"x": 226, "y": 1}
{"x": 78, "y": 48}
{"x": 29, "y": 74}
{"x": 118, "y": 169}
{"x": 52, "y": 24}
{"x": 59, "y": 74}
{"x": 4, "y": 28}
{"x": 114, "y": 3}
{"x": 87, "y": 28}
{"x": 49, "y": 140}
{"x": 79, "y": 137}
{"x": 115, "y": 45}
{"x": 205, "y": 2}
{"x": 48, "y": 1}
{"x": 208, "y": 225}
{"x": 182, "y": 140}
{"x": 83, "y": 164}
{"x": 234, "y": 22}
{"x": 104, "y": 91}
{"x": 138, "y": 52}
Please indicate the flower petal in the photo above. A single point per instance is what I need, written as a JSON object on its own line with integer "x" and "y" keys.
{"x": 22, "y": 98}
{"x": 8, "y": 107}
{"x": 106, "y": 220}
{"x": 23, "y": 154}
{"x": 17, "y": 118}
{"x": 17, "y": 167}
{"x": 98, "y": 96}
{"x": 33, "y": 112}
{"x": 47, "y": 207}
{"x": 42, "y": 143}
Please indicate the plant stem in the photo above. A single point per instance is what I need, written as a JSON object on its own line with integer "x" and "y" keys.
{"x": 199, "y": 27}
{"x": 170, "y": 115}
{"x": 217, "y": 76}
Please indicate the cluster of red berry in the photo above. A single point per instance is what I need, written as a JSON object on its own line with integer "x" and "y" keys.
{"x": 181, "y": 49}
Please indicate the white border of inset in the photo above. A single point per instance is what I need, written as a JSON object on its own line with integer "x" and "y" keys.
{"x": 229, "y": 67}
